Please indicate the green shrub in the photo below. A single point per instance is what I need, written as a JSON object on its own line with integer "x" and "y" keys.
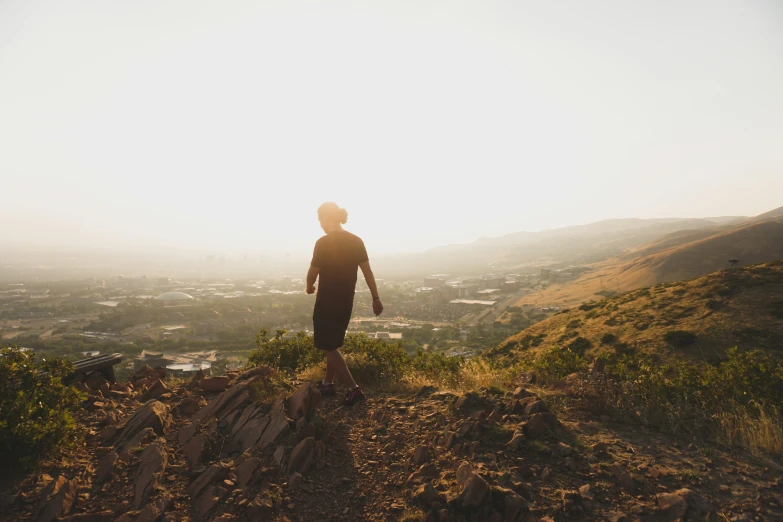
{"x": 554, "y": 363}
{"x": 579, "y": 345}
{"x": 679, "y": 338}
{"x": 287, "y": 355}
{"x": 36, "y": 409}
{"x": 689, "y": 399}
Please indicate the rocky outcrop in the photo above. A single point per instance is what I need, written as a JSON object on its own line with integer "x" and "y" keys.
{"x": 56, "y": 500}
{"x": 105, "y": 468}
{"x": 152, "y": 463}
{"x": 154, "y": 415}
{"x": 214, "y": 384}
{"x": 157, "y": 389}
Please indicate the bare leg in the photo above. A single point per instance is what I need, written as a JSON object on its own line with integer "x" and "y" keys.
{"x": 338, "y": 364}
{"x": 330, "y": 370}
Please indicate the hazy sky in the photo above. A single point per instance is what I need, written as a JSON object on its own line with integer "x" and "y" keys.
{"x": 224, "y": 124}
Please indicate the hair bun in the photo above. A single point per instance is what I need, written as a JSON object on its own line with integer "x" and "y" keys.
{"x": 343, "y": 215}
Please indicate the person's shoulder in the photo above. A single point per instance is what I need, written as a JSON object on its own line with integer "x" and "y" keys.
{"x": 353, "y": 237}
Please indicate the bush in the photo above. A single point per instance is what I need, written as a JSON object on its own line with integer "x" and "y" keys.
{"x": 679, "y": 338}
{"x": 579, "y": 345}
{"x": 692, "y": 399}
{"x": 287, "y": 355}
{"x": 36, "y": 408}
{"x": 608, "y": 338}
{"x": 554, "y": 363}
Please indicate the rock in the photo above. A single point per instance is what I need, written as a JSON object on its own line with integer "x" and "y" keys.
{"x": 206, "y": 502}
{"x": 214, "y": 384}
{"x": 157, "y": 389}
{"x": 195, "y": 449}
{"x": 521, "y": 393}
{"x": 295, "y": 479}
{"x": 425, "y": 471}
{"x": 514, "y": 507}
{"x": 302, "y": 456}
{"x": 277, "y": 425}
{"x": 279, "y": 455}
{"x": 463, "y": 473}
{"x": 215, "y": 473}
{"x": 698, "y": 506}
{"x": 259, "y": 509}
{"x": 586, "y": 492}
{"x": 144, "y": 373}
{"x": 425, "y": 495}
{"x": 152, "y": 464}
{"x": 153, "y": 415}
{"x": 474, "y": 492}
{"x": 570, "y": 499}
{"x": 420, "y": 454}
{"x": 538, "y": 424}
{"x": 102, "y": 516}
{"x": 188, "y": 406}
{"x": 105, "y": 468}
{"x": 139, "y": 440}
{"x": 96, "y": 381}
{"x": 246, "y": 471}
{"x": 671, "y": 505}
{"x": 56, "y": 500}
{"x": 621, "y": 477}
{"x": 254, "y": 372}
{"x": 154, "y": 509}
{"x": 303, "y": 402}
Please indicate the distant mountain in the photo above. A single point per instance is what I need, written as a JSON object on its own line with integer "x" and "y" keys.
{"x": 676, "y": 256}
{"x": 581, "y": 244}
{"x": 740, "y": 307}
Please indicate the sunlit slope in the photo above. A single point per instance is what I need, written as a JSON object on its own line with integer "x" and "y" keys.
{"x": 674, "y": 257}
{"x": 736, "y": 307}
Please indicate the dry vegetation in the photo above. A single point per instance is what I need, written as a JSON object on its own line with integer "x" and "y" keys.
{"x": 674, "y": 257}
{"x": 737, "y": 307}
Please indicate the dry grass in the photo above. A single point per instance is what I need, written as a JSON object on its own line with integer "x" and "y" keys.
{"x": 473, "y": 375}
{"x": 723, "y": 309}
{"x": 762, "y": 434}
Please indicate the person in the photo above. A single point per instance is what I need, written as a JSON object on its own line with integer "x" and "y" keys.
{"x": 336, "y": 259}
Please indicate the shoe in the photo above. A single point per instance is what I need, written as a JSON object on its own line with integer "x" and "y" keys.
{"x": 327, "y": 390}
{"x": 353, "y": 396}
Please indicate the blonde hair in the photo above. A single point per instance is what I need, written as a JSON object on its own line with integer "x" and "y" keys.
{"x": 329, "y": 211}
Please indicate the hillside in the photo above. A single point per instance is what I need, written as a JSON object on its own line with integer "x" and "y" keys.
{"x": 680, "y": 255}
{"x": 593, "y": 242}
{"x": 736, "y": 307}
{"x": 207, "y": 450}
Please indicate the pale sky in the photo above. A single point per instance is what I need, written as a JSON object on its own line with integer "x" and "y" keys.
{"x": 225, "y": 124}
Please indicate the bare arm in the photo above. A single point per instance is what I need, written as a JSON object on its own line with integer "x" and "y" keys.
{"x": 312, "y": 275}
{"x": 370, "y": 278}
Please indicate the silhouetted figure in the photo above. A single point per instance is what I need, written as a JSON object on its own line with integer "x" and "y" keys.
{"x": 336, "y": 258}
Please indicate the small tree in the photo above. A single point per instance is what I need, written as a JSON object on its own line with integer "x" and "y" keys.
{"x": 36, "y": 409}
{"x": 733, "y": 262}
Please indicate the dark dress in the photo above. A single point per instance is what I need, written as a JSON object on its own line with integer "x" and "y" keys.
{"x": 337, "y": 256}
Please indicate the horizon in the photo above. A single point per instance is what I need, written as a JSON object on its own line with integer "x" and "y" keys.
{"x": 225, "y": 129}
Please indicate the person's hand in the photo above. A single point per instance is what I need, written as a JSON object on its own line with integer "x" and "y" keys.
{"x": 311, "y": 289}
{"x": 377, "y": 307}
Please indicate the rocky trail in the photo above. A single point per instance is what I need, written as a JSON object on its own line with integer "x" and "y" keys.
{"x": 208, "y": 450}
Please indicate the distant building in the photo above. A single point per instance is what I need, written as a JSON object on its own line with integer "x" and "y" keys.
{"x": 174, "y": 296}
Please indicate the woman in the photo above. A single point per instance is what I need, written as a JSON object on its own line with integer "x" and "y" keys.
{"x": 336, "y": 257}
